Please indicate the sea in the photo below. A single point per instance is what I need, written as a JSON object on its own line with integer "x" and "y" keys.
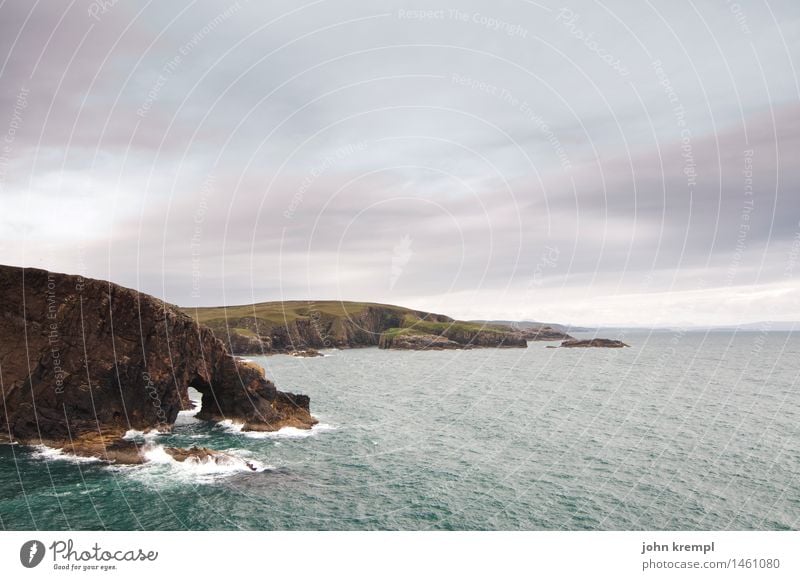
{"x": 681, "y": 431}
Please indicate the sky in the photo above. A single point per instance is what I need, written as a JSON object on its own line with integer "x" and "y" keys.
{"x": 589, "y": 163}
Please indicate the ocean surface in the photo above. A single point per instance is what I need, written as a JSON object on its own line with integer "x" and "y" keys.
{"x": 681, "y": 431}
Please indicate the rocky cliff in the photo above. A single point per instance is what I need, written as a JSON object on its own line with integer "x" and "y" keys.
{"x": 82, "y": 361}
{"x": 537, "y": 331}
{"x": 425, "y": 335}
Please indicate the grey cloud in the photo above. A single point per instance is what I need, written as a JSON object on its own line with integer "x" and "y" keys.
{"x": 344, "y": 128}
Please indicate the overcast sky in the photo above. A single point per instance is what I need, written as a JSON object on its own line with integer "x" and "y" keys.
{"x": 580, "y": 162}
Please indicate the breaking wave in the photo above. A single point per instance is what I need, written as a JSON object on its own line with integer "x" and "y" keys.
{"x": 283, "y": 433}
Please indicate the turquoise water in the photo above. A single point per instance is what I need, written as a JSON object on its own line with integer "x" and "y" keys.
{"x": 681, "y": 431}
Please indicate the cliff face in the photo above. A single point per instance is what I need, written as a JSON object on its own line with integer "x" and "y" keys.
{"x": 532, "y": 330}
{"x": 544, "y": 333}
{"x": 84, "y": 359}
{"x": 453, "y": 335}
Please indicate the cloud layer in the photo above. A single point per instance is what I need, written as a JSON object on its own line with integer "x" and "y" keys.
{"x": 588, "y": 163}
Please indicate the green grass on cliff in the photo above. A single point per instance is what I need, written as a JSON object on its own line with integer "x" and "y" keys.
{"x": 268, "y": 315}
{"x": 283, "y": 312}
{"x": 457, "y": 327}
{"x": 244, "y": 332}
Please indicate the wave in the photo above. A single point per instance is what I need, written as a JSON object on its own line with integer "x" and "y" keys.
{"x": 283, "y": 433}
{"x": 146, "y": 435}
{"x": 51, "y": 453}
{"x": 161, "y": 469}
{"x": 227, "y": 463}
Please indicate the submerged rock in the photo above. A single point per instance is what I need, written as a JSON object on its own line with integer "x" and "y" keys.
{"x": 205, "y": 455}
{"x": 83, "y": 361}
{"x": 593, "y": 342}
{"x": 306, "y": 353}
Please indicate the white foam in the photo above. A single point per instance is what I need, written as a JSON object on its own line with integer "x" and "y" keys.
{"x": 161, "y": 468}
{"x": 189, "y": 416}
{"x": 230, "y": 426}
{"x": 283, "y": 433}
{"x": 50, "y": 453}
{"x": 146, "y": 435}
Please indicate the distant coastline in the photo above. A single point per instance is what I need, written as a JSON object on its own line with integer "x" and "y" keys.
{"x": 301, "y": 327}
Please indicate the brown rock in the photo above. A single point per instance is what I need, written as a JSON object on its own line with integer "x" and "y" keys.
{"x": 594, "y": 342}
{"x": 83, "y": 361}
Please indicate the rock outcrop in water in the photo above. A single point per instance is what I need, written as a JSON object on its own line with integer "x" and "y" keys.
{"x": 593, "y": 343}
{"x": 82, "y": 361}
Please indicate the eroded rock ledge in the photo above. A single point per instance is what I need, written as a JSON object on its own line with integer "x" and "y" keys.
{"x": 592, "y": 343}
{"x": 82, "y": 361}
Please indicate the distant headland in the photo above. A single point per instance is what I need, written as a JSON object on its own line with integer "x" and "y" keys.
{"x": 302, "y": 327}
